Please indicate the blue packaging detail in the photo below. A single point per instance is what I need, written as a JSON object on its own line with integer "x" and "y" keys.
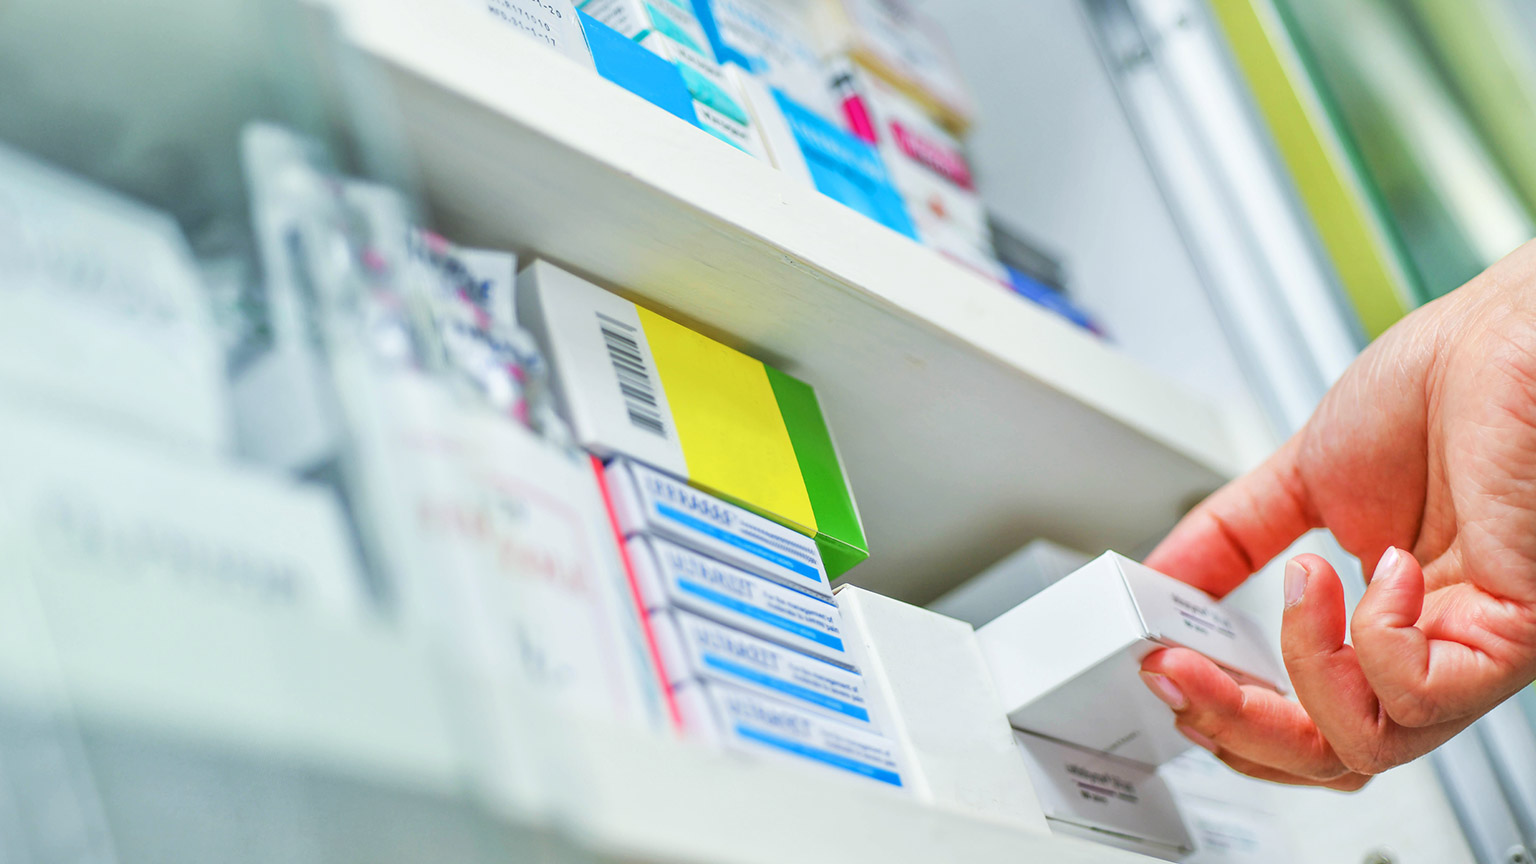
{"x": 672, "y": 577}
{"x": 743, "y": 720}
{"x": 694, "y": 648}
{"x": 1028, "y": 286}
{"x": 845, "y": 168}
{"x": 627, "y": 64}
{"x": 652, "y": 503}
{"x": 704, "y": 10}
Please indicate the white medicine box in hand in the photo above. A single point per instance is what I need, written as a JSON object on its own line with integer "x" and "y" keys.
{"x": 1066, "y": 661}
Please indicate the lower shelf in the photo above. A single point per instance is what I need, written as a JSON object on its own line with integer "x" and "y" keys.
{"x": 208, "y": 731}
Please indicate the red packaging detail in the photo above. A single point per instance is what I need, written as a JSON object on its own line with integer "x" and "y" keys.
{"x": 859, "y": 121}
{"x": 634, "y": 589}
{"x": 936, "y": 157}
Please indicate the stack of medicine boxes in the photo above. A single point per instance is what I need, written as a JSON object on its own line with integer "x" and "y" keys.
{"x": 745, "y": 634}
{"x": 671, "y": 30}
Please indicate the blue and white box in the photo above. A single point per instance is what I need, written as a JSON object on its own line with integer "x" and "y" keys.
{"x": 672, "y": 577}
{"x": 696, "y": 649}
{"x": 744, "y": 721}
{"x": 649, "y": 502}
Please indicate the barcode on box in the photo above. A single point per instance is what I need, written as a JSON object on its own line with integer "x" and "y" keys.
{"x": 633, "y": 374}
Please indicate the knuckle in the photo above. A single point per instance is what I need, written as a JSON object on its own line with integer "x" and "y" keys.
{"x": 1369, "y": 758}
{"x": 1410, "y": 708}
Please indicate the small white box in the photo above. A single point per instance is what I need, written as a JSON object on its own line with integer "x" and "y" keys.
{"x": 649, "y": 502}
{"x": 103, "y": 313}
{"x": 1009, "y": 582}
{"x": 552, "y": 22}
{"x": 697, "y": 649}
{"x": 670, "y": 576}
{"x": 929, "y": 690}
{"x": 741, "y": 720}
{"x": 1066, "y": 662}
{"x": 1097, "y": 796}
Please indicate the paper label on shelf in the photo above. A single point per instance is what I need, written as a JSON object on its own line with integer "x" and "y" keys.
{"x": 650, "y": 502}
{"x": 708, "y": 650}
{"x": 756, "y": 724}
{"x": 552, "y": 22}
{"x": 673, "y": 577}
{"x": 102, "y": 311}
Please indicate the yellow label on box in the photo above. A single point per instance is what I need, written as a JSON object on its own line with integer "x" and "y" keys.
{"x": 723, "y": 407}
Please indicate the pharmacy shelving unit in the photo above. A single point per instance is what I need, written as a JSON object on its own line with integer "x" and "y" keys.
{"x": 970, "y": 421}
{"x": 342, "y": 737}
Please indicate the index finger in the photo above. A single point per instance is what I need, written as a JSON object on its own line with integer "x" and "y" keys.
{"x": 1241, "y": 527}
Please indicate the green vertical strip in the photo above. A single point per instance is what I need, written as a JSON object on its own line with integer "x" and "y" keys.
{"x": 1494, "y": 72}
{"x": 839, "y": 534}
{"x": 1324, "y": 178}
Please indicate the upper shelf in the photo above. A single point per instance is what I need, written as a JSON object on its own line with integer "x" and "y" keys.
{"x": 970, "y": 421}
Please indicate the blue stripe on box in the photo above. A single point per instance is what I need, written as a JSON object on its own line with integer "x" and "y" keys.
{"x": 832, "y": 759}
{"x": 799, "y": 568}
{"x": 747, "y": 609}
{"x": 805, "y": 694}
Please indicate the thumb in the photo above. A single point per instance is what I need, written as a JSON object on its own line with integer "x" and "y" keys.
{"x": 1393, "y": 651}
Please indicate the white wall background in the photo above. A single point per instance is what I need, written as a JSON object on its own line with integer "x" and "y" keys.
{"x": 1056, "y": 158}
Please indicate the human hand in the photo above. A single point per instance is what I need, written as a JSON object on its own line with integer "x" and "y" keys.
{"x": 1422, "y": 462}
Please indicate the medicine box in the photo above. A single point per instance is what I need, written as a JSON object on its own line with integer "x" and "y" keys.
{"x": 905, "y": 48}
{"x": 697, "y": 649}
{"x": 552, "y": 22}
{"x": 648, "y": 502}
{"x": 778, "y": 138}
{"x": 624, "y": 62}
{"x": 103, "y": 313}
{"x": 1066, "y": 662}
{"x": 634, "y": 383}
{"x": 96, "y": 512}
{"x": 1104, "y": 798}
{"x": 775, "y": 41}
{"x": 744, "y": 721}
{"x": 845, "y": 168}
{"x": 931, "y": 693}
{"x": 671, "y": 30}
{"x": 672, "y": 577}
{"x": 927, "y": 165}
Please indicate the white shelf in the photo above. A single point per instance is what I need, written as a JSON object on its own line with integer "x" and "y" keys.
{"x": 970, "y": 421}
{"x": 651, "y": 799}
{"x": 353, "y": 705}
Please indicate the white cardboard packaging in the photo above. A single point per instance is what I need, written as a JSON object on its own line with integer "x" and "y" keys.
{"x": 779, "y": 143}
{"x": 671, "y": 31}
{"x": 1066, "y": 661}
{"x": 930, "y": 692}
{"x": 552, "y": 22}
{"x": 1097, "y": 796}
{"x": 103, "y": 313}
{"x": 102, "y": 513}
{"x": 649, "y": 502}
{"x": 742, "y": 720}
{"x": 697, "y": 649}
{"x": 670, "y": 576}
{"x": 1009, "y": 582}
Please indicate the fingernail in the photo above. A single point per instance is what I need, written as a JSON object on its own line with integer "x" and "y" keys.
{"x": 1295, "y": 583}
{"x": 1388, "y": 563}
{"x": 1163, "y": 687}
{"x": 1199, "y": 739}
